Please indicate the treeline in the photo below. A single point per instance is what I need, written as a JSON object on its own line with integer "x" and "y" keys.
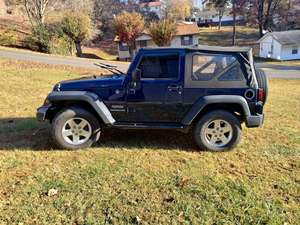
{"x": 265, "y": 14}
{"x": 61, "y": 26}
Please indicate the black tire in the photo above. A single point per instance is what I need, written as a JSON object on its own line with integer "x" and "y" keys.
{"x": 263, "y": 83}
{"x": 74, "y": 112}
{"x": 202, "y": 139}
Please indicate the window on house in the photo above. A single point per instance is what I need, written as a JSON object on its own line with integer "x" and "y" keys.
{"x": 295, "y": 50}
{"x": 272, "y": 48}
{"x": 143, "y": 44}
{"x": 159, "y": 67}
{"x": 206, "y": 67}
{"x": 186, "y": 40}
{"x": 123, "y": 47}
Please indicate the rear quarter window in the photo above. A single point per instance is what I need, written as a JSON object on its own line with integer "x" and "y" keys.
{"x": 214, "y": 71}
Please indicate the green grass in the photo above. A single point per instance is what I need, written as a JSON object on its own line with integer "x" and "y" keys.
{"x": 143, "y": 177}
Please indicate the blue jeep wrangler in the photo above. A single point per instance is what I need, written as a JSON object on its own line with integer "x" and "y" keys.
{"x": 210, "y": 91}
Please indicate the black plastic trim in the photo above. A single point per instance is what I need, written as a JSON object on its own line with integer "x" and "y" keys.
{"x": 158, "y": 126}
{"x": 41, "y": 113}
{"x": 212, "y": 99}
{"x": 85, "y": 96}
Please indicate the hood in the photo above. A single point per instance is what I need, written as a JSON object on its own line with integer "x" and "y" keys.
{"x": 91, "y": 82}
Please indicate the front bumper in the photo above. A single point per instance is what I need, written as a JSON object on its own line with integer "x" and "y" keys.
{"x": 255, "y": 121}
{"x": 41, "y": 114}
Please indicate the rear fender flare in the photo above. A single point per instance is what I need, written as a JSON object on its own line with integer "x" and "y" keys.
{"x": 85, "y": 96}
{"x": 202, "y": 102}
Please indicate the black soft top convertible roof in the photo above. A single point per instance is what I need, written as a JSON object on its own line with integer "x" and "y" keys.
{"x": 221, "y": 49}
{"x": 245, "y": 53}
{"x": 208, "y": 48}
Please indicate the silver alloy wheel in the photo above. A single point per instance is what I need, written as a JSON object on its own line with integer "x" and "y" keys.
{"x": 218, "y": 133}
{"x": 76, "y": 131}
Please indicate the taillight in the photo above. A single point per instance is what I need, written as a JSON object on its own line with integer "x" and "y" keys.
{"x": 261, "y": 95}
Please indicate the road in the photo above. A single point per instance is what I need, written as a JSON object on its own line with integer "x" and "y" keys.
{"x": 273, "y": 71}
{"x": 58, "y": 60}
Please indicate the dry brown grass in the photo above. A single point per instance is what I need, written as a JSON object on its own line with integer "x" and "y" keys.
{"x": 245, "y": 36}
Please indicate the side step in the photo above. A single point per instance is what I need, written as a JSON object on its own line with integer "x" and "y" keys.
{"x": 123, "y": 125}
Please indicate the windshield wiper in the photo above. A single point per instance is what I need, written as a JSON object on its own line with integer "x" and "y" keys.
{"x": 110, "y": 68}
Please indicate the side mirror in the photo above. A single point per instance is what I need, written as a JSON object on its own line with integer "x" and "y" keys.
{"x": 136, "y": 75}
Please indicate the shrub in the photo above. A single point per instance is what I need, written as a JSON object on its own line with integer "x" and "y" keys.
{"x": 78, "y": 28}
{"x": 61, "y": 46}
{"x": 8, "y": 38}
{"x": 40, "y": 39}
{"x": 128, "y": 26}
{"x": 162, "y": 32}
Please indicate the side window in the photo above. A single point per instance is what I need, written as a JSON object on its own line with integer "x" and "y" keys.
{"x": 159, "y": 67}
{"x": 294, "y": 50}
{"x": 186, "y": 40}
{"x": 143, "y": 44}
{"x": 206, "y": 67}
{"x": 232, "y": 74}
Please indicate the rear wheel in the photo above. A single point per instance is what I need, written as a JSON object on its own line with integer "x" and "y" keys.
{"x": 75, "y": 128}
{"x": 218, "y": 131}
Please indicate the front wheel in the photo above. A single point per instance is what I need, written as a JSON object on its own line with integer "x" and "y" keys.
{"x": 218, "y": 131}
{"x": 75, "y": 128}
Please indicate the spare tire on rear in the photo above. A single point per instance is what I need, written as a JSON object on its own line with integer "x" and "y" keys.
{"x": 263, "y": 83}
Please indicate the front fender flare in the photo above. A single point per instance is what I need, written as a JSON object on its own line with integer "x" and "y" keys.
{"x": 85, "y": 96}
{"x": 213, "y": 99}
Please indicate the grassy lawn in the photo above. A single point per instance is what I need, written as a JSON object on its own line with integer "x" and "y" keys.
{"x": 138, "y": 177}
{"x": 97, "y": 53}
{"x": 244, "y": 36}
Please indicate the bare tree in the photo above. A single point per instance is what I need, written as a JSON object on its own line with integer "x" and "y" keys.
{"x": 238, "y": 7}
{"x": 83, "y": 6}
{"x": 106, "y": 10}
{"x": 234, "y": 21}
{"x": 220, "y": 6}
{"x": 37, "y": 10}
{"x": 265, "y": 10}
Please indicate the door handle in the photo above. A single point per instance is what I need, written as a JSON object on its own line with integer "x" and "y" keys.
{"x": 131, "y": 91}
{"x": 174, "y": 88}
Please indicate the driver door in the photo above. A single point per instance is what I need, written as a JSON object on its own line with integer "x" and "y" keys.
{"x": 157, "y": 97}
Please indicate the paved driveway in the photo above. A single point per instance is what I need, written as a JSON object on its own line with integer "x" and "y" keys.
{"x": 58, "y": 60}
{"x": 277, "y": 71}
{"x": 273, "y": 71}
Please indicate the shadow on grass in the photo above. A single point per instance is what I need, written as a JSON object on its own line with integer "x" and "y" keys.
{"x": 90, "y": 56}
{"x": 29, "y": 134}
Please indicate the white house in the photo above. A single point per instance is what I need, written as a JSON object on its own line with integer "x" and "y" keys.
{"x": 152, "y": 6}
{"x": 187, "y": 35}
{"x": 284, "y": 45}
